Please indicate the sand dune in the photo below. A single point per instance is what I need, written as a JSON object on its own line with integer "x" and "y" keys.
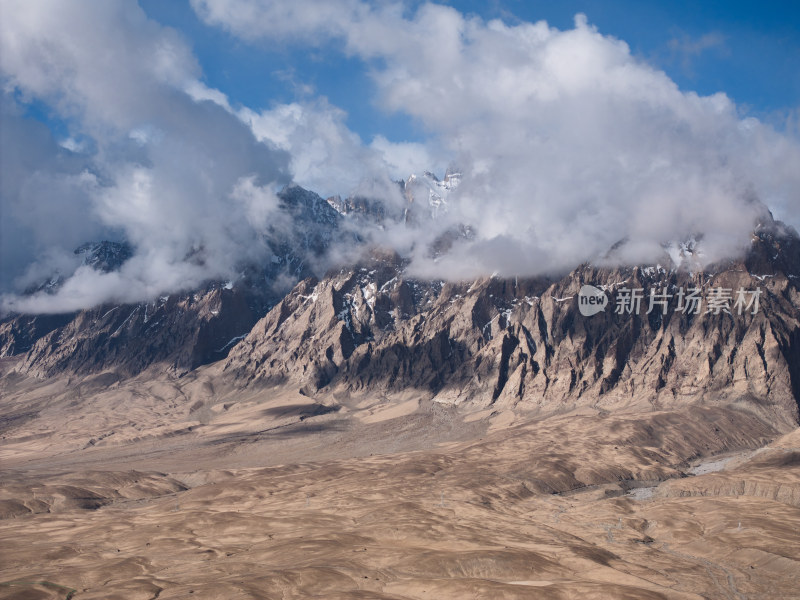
{"x": 279, "y": 496}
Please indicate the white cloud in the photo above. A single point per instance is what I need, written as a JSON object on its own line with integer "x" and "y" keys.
{"x": 44, "y": 200}
{"x": 168, "y": 162}
{"x": 100, "y": 61}
{"x": 568, "y": 142}
{"x": 325, "y": 155}
{"x": 252, "y": 19}
{"x": 401, "y": 159}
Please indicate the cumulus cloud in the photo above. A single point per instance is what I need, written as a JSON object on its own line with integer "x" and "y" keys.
{"x": 252, "y": 19}
{"x": 171, "y": 170}
{"x": 402, "y": 159}
{"x": 329, "y": 158}
{"x": 101, "y": 62}
{"x": 567, "y": 141}
{"x": 44, "y": 206}
{"x": 326, "y": 156}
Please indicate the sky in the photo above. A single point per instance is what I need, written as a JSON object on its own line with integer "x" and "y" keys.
{"x": 748, "y": 50}
{"x": 576, "y": 124}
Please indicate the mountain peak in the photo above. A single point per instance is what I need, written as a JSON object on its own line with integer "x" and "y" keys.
{"x": 104, "y": 256}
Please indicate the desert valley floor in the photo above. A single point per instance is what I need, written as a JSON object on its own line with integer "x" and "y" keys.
{"x": 185, "y": 488}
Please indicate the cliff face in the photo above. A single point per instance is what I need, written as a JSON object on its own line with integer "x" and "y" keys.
{"x": 18, "y": 334}
{"x": 179, "y": 333}
{"x": 506, "y": 342}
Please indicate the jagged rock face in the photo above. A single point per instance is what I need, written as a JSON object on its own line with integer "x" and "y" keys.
{"x": 366, "y": 210}
{"x": 302, "y": 230}
{"x": 319, "y": 325}
{"x": 183, "y": 332}
{"x": 104, "y": 256}
{"x": 492, "y": 342}
{"x": 427, "y": 195}
{"x": 18, "y": 334}
{"x": 509, "y": 341}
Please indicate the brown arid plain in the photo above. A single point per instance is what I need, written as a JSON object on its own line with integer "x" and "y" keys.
{"x": 164, "y": 487}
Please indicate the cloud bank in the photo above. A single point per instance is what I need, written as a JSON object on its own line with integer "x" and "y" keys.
{"x": 165, "y": 167}
{"x": 567, "y": 143}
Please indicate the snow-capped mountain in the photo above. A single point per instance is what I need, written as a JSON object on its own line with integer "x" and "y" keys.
{"x": 490, "y": 341}
{"x": 425, "y": 194}
{"x": 104, "y": 256}
{"x": 430, "y": 191}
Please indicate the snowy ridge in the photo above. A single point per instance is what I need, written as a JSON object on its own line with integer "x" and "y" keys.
{"x": 430, "y": 189}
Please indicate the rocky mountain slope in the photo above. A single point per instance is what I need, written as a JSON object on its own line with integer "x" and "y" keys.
{"x": 180, "y": 331}
{"x": 505, "y": 342}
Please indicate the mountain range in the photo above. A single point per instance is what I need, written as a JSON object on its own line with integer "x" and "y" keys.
{"x": 371, "y": 328}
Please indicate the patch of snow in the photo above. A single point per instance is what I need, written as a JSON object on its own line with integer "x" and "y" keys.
{"x": 133, "y": 312}
{"x": 369, "y": 294}
{"x": 387, "y": 284}
{"x": 232, "y": 341}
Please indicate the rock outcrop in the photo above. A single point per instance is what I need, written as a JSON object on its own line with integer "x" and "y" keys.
{"x": 371, "y": 329}
{"x": 179, "y": 332}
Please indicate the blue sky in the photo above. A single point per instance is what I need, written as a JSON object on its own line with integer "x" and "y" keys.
{"x": 172, "y": 125}
{"x": 749, "y": 50}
